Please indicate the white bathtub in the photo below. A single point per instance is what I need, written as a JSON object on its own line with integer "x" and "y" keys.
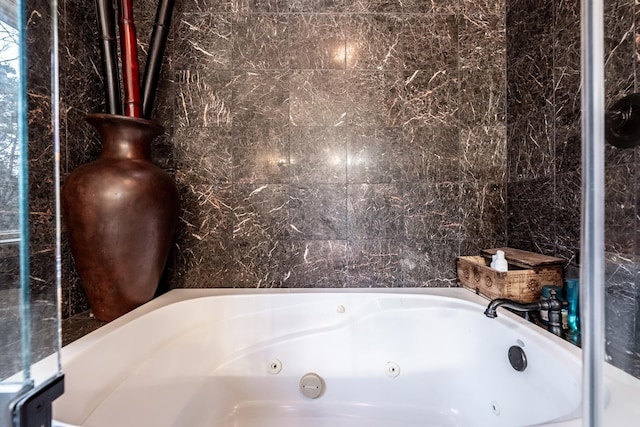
{"x": 400, "y": 358}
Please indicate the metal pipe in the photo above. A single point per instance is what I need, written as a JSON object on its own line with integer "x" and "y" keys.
{"x": 592, "y": 221}
{"x": 156, "y": 51}
{"x": 108, "y": 49}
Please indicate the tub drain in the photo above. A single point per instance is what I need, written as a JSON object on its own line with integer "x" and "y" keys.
{"x": 311, "y": 385}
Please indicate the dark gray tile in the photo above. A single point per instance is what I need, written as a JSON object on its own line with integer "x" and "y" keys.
{"x": 203, "y": 41}
{"x": 620, "y": 200}
{"x": 430, "y": 98}
{"x": 318, "y": 41}
{"x": 430, "y": 42}
{"x": 260, "y": 154}
{"x": 320, "y": 263}
{"x": 257, "y": 6}
{"x": 205, "y": 6}
{"x": 374, "y": 211}
{"x": 264, "y": 263}
{"x": 260, "y": 41}
{"x": 203, "y": 155}
{"x": 317, "y": 6}
{"x": 432, "y": 211}
{"x": 530, "y": 215}
{"x": 318, "y": 98}
{"x": 374, "y": 263}
{"x": 318, "y": 155}
{"x": 260, "y": 97}
{"x": 531, "y": 150}
{"x": 568, "y": 209}
{"x": 318, "y": 212}
{"x": 483, "y": 211}
{"x": 374, "y": 42}
{"x": 619, "y": 49}
{"x": 431, "y": 154}
{"x": 483, "y": 8}
{"x": 374, "y": 98}
{"x": 406, "y": 6}
{"x": 482, "y": 70}
{"x": 484, "y": 156}
{"x": 203, "y": 98}
{"x": 260, "y": 212}
{"x": 374, "y": 155}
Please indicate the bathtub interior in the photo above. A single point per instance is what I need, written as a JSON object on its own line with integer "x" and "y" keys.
{"x": 384, "y": 359}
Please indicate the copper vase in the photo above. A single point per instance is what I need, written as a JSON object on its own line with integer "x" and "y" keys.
{"x": 120, "y": 212}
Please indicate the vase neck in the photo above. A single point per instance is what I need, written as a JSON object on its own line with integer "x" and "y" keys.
{"x": 125, "y": 137}
{"x": 125, "y": 149}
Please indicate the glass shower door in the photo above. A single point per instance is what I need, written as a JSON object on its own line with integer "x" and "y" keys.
{"x": 29, "y": 299}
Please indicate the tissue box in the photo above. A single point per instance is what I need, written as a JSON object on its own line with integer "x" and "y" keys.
{"x": 528, "y": 273}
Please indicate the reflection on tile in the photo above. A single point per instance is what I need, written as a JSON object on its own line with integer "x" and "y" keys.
{"x": 317, "y": 98}
{"x": 318, "y": 41}
{"x": 427, "y": 264}
{"x": 374, "y": 211}
{"x": 318, "y": 155}
{"x": 260, "y": 154}
{"x": 318, "y": 212}
{"x": 621, "y": 311}
{"x": 260, "y": 42}
{"x": 374, "y": 155}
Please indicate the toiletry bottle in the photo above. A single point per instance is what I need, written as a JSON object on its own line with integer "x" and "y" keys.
{"x": 500, "y": 263}
{"x": 573, "y": 311}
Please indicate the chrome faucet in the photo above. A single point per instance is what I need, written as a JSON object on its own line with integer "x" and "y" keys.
{"x": 553, "y": 305}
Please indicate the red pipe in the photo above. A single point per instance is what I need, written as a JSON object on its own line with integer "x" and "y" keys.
{"x": 129, "y": 53}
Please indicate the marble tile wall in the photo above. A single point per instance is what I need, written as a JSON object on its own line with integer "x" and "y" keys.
{"x": 349, "y": 143}
{"x": 544, "y": 150}
{"x": 315, "y": 143}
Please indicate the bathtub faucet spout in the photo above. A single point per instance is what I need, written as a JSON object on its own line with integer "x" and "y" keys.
{"x": 553, "y": 305}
